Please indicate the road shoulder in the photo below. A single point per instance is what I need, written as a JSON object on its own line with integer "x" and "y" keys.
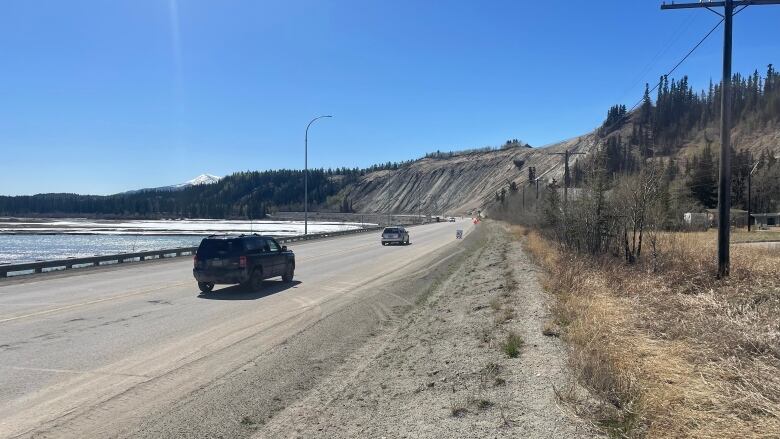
{"x": 469, "y": 361}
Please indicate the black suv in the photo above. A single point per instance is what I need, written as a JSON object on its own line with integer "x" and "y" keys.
{"x": 241, "y": 259}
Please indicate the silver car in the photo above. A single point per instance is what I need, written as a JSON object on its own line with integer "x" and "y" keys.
{"x": 395, "y": 235}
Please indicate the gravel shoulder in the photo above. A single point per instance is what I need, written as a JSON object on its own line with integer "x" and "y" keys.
{"x": 444, "y": 368}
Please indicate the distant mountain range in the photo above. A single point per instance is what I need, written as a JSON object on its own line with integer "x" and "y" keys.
{"x": 197, "y": 181}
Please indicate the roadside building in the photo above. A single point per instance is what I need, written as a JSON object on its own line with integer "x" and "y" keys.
{"x": 738, "y": 217}
{"x": 765, "y": 220}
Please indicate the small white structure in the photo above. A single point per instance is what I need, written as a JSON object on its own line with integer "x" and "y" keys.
{"x": 696, "y": 220}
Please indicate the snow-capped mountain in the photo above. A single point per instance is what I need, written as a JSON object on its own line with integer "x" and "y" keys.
{"x": 197, "y": 181}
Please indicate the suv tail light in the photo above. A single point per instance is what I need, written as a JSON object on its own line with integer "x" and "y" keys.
{"x": 195, "y": 261}
{"x": 242, "y": 262}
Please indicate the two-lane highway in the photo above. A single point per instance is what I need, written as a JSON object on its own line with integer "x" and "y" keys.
{"x": 123, "y": 343}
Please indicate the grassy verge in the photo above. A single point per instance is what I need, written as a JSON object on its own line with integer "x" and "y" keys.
{"x": 673, "y": 351}
{"x": 742, "y": 235}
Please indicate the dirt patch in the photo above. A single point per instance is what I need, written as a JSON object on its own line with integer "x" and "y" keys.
{"x": 469, "y": 361}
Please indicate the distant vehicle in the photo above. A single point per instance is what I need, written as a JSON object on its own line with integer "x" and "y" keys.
{"x": 452, "y": 219}
{"x": 241, "y": 259}
{"x": 395, "y": 235}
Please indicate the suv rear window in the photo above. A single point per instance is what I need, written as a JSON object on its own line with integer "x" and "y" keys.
{"x": 210, "y": 248}
{"x": 254, "y": 244}
{"x": 392, "y": 230}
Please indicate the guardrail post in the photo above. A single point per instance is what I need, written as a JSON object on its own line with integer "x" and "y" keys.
{"x": 3, "y": 274}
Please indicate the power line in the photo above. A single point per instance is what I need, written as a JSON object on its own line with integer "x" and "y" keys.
{"x": 687, "y": 55}
{"x": 695, "y": 47}
{"x": 675, "y": 36}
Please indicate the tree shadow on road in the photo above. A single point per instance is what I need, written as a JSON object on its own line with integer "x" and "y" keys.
{"x": 238, "y": 292}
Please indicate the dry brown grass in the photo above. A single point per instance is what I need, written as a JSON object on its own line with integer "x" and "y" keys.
{"x": 742, "y": 235}
{"x": 504, "y": 315}
{"x": 676, "y": 352}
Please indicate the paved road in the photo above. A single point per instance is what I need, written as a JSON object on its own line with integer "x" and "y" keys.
{"x": 100, "y": 353}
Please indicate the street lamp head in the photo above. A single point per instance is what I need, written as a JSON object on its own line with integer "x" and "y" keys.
{"x": 315, "y": 119}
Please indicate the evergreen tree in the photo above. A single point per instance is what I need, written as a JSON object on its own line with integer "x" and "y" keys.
{"x": 703, "y": 183}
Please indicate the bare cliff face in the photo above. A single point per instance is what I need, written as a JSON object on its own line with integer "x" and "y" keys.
{"x": 461, "y": 183}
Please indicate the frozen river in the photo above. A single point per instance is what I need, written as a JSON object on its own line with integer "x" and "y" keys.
{"x": 25, "y": 240}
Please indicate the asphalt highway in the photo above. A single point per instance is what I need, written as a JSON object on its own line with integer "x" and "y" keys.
{"x": 136, "y": 350}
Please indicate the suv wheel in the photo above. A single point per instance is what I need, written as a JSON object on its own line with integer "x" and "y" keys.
{"x": 206, "y": 287}
{"x": 256, "y": 281}
{"x": 288, "y": 275}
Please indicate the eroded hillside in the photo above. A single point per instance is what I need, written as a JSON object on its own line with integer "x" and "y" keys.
{"x": 460, "y": 183}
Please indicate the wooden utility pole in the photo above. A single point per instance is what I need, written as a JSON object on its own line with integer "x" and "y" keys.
{"x": 724, "y": 181}
{"x": 566, "y": 179}
{"x": 748, "y": 206}
{"x": 523, "y": 197}
{"x": 750, "y": 176}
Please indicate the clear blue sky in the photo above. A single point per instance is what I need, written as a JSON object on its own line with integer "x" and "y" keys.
{"x": 104, "y": 96}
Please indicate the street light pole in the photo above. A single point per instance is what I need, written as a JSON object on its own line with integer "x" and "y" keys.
{"x": 306, "y": 176}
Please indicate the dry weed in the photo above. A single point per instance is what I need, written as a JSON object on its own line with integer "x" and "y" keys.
{"x": 495, "y": 304}
{"x": 675, "y": 351}
{"x": 505, "y": 315}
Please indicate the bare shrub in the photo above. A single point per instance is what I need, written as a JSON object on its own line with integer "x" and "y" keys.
{"x": 638, "y": 197}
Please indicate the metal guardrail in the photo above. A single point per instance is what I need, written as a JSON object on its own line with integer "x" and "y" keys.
{"x": 106, "y": 260}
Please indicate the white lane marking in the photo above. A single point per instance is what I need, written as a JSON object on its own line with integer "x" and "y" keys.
{"x": 73, "y": 372}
